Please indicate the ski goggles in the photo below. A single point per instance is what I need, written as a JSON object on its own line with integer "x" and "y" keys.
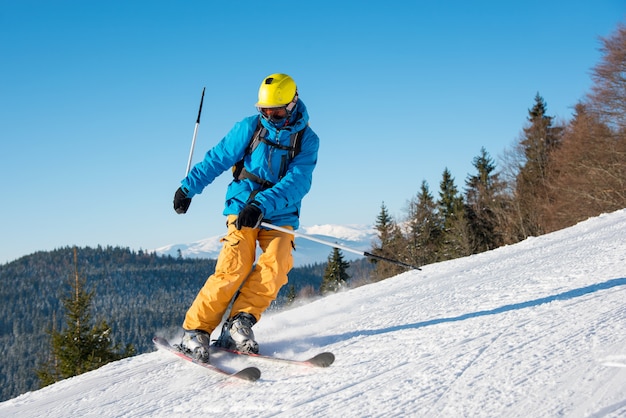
{"x": 279, "y": 113}
{"x": 274, "y": 113}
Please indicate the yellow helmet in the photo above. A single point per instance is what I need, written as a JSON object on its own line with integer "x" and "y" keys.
{"x": 277, "y": 90}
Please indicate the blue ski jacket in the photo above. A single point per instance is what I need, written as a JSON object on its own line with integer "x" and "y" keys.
{"x": 280, "y": 203}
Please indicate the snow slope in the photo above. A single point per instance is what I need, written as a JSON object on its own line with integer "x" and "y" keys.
{"x": 536, "y": 329}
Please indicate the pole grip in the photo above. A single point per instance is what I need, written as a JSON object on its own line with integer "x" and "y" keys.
{"x": 200, "y": 109}
{"x": 195, "y": 133}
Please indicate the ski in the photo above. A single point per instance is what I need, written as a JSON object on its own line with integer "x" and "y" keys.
{"x": 324, "y": 359}
{"x": 250, "y": 374}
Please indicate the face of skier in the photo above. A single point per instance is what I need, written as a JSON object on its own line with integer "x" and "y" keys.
{"x": 274, "y": 114}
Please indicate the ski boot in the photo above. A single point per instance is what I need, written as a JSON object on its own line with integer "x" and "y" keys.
{"x": 237, "y": 334}
{"x": 197, "y": 344}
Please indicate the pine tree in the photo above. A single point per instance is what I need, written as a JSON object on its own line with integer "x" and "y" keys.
{"x": 424, "y": 228}
{"x": 450, "y": 202}
{"x": 335, "y": 276}
{"x": 384, "y": 226}
{"x": 539, "y": 140}
{"x": 484, "y": 204}
{"x": 391, "y": 244}
{"x": 291, "y": 295}
{"x": 80, "y": 347}
{"x": 455, "y": 240}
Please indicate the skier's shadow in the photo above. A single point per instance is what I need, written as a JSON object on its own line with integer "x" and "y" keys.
{"x": 570, "y": 294}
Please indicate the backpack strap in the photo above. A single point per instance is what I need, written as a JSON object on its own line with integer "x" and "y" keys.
{"x": 296, "y": 143}
{"x": 259, "y": 135}
{"x": 254, "y": 142}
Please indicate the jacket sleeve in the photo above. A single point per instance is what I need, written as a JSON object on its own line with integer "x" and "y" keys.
{"x": 220, "y": 158}
{"x": 296, "y": 183}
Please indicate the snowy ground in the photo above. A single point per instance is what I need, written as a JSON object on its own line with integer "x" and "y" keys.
{"x": 536, "y": 329}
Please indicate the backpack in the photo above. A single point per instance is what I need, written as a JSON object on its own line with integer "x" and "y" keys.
{"x": 259, "y": 135}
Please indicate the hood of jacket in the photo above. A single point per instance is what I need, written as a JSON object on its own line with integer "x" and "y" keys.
{"x": 299, "y": 121}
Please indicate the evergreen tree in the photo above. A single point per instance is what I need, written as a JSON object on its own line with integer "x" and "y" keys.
{"x": 485, "y": 203}
{"x": 80, "y": 347}
{"x": 450, "y": 202}
{"x": 424, "y": 228}
{"x": 455, "y": 240}
{"x": 539, "y": 140}
{"x": 291, "y": 294}
{"x": 335, "y": 275}
{"x": 391, "y": 244}
{"x": 385, "y": 226}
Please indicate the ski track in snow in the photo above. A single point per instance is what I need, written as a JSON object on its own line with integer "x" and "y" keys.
{"x": 533, "y": 329}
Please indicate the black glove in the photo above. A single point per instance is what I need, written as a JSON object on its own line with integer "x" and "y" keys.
{"x": 251, "y": 216}
{"x": 181, "y": 201}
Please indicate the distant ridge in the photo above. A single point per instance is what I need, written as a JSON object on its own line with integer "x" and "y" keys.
{"x": 359, "y": 237}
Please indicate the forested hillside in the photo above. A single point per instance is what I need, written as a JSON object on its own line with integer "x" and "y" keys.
{"x": 137, "y": 293}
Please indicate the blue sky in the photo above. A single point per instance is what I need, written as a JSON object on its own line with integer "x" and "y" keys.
{"x": 98, "y": 102}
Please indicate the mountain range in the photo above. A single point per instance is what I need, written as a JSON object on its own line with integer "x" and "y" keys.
{"x": 358, "y": 237}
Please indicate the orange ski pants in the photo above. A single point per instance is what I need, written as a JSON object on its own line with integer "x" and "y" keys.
{"x": 234, "y": 272}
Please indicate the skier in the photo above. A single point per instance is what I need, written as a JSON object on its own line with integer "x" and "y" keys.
{"x": 271, "y": 176}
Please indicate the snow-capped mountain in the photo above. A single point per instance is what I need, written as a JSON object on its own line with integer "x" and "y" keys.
{"x": 535, "y": 329}
{"x": 358, "y": 237}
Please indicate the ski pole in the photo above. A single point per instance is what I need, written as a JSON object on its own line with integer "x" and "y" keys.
{"x": 195, "y": 133}
{"x": 335, "y": 245}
